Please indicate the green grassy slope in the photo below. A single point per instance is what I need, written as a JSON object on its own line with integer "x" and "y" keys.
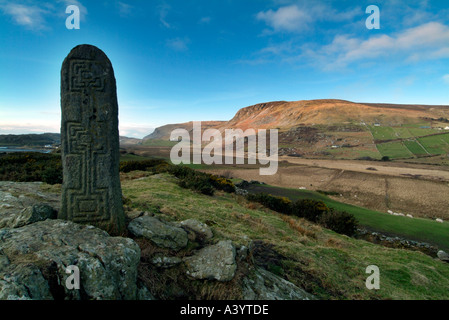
{"x": 415, "y": 229}
{"x": 327, "y": 264}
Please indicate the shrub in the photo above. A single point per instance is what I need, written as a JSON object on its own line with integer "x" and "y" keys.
{"x": 200, "y": 183}
{"x": 313, "y": 210}
{"x": 52, "y": 175}
{"x": 310, "y": 209}
{"x": 197, "y": 180}
{"x": 128, "y": 166}
{"x": 222, "y": 183}
{"x": 31, "y": 166}
{"x": 340, "y": 222}
{"x": 279, "y": 204}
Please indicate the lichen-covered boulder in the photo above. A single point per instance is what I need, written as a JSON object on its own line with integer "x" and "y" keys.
{"x": 29, "y": 215}
{"x": 159, "y": 232}
{"x": 197, "y": 230}
{"x": 22, "y": 203}
{"x": 165, "y": 262}
{"x": 215, "y": 262}
{"x": 264, "y": 285}
{"x": 443, "y": 256}
{"x": 34, "y": 261}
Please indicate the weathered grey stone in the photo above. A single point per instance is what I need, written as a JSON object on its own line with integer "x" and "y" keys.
{"x": 4, "y": 261}
{"x": 215, "y": 262}
{"x": 15, "y": 197}
{"x": 32, "y": 214}
{"x": 443, "y": 256}
{"x": 24, "y": 282}
{"x": 35, "y": 258}
{"x": 264, "y": 285}
{"x": 160, "y": 233}
{"x": 165, "y": 262}
{"x": 91, "y": 191}
{"x": 197, "y": 230}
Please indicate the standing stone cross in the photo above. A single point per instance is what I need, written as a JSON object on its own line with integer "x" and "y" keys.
{"x": 91, "y": 191}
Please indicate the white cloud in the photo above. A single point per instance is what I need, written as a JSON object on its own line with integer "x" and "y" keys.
{"x": 427, "y": 41}
{"x": 178, "y": 44}
{"x": 205, "y": 20}
{"x": 163, "y": 12}
{"x": 29, "y": 127}
{"x": 135, "y": 130}
{"x": 446, "y": 78}
{"x": 289, "y": 18}
{"x": 125, "y": 9}
{"x": 31, "y": 17}
{"x": 34, "y": 17}
{"x": 298, "y": 18}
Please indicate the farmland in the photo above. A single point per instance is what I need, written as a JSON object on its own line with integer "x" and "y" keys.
{"x": 410, "y": 141}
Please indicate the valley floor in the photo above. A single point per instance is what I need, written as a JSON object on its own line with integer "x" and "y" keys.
{"x": 420, "y": 190}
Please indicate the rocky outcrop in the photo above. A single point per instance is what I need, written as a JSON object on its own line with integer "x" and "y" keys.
{"x": 29, "y": 215}
{"x": 215, "y": 262}
{"x": 443, "y": 256}
{"x": 396, "y": 242}
{"x": 36, "y": 251}
{"x": 16, "y": 196}
{"x": 159, "y": 232}
{"x": 34, "y": 261}
{"x": 264, "y": 285}
{"x": 165, "y": 262}
{"x": 23, "y": 203}
{"x": 197, "y": 231}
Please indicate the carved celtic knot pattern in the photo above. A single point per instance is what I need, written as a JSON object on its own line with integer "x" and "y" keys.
{"x": 86, "y": 147}
{"x": 85, "y": 75}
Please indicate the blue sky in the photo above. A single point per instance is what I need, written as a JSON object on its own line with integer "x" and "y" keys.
{"x": 177, "y": 61}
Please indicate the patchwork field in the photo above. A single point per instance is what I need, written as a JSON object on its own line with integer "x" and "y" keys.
{"x": 410, "y": 141}
{"x": 420, "y": 190}
{"x": 394, "y": 150}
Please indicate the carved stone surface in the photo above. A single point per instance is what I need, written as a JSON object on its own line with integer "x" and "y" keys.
{"x": 91, "y": 191}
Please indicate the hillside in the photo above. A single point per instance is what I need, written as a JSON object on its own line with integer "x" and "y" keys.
{"x": 163, "y": 133}
{"x": 326, "y": 264}
{"x": 341, "y": 129}
{"x": 40, "y": 140}
{"x": 33, "y": 140}
{"x": 285, "y": 115}
{"x": 272, "y": 255}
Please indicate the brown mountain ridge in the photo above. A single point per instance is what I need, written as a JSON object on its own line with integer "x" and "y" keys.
{"x": 315, "y": 127}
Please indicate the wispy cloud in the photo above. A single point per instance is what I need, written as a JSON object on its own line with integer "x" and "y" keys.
{"x": 446, "y": 78}
{"x": 205, "y": 20}
{"x": 125, "y": 9}
{"x": 424, "y": 42}
{"x": 411, "y": 45}
{"x": 34, "y": 17}
{"x": 298, "y": 18}
{"x": 178, "y": 44}
{"x": 163, "y": 12}
{"x": 138, "y": 131}
{"x": 12, "y": 127}
{"x": 289, "y": 18}
{"x": 31, "y": 17}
